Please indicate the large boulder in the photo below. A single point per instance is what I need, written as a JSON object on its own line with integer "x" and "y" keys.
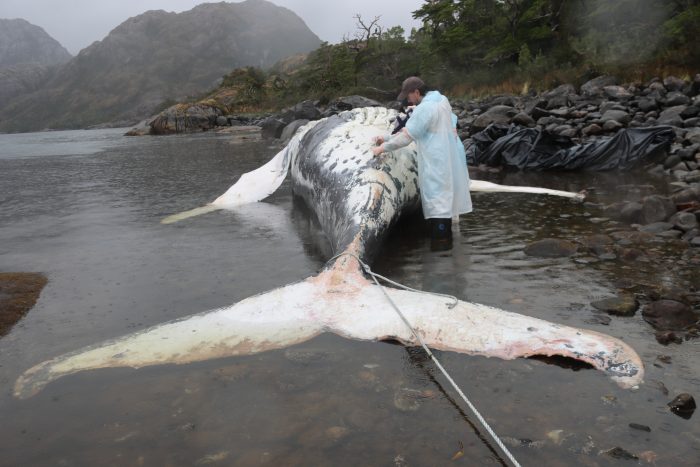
{"x": 353, "y": 102}
{"x": 616, "y": 92}
{"x": 657, "y": 208}
{"x": 619, "y": 116}
{"x": 272, "y": 127}
{"x": 305, "y": 110}
{"x": 672, "y": 116}
{"x": 595, "y": 86}
{"x": 677, "y": 98}
{"x": 292, "y": 128}
{"x": 496, "y": 114}
{"x": 560, "y": 96}
{"x": 669, "y": 315}
{"x": 185, "y": 118}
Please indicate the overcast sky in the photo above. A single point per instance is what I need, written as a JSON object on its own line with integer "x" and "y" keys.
{"x": 78, "y": 23}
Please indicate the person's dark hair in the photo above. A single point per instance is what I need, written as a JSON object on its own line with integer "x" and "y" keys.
{"x": 423, "y": 90}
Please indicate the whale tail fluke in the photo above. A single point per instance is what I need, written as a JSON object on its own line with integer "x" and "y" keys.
{"x": 271, "y": 320}
{"x": 341, "y": 300}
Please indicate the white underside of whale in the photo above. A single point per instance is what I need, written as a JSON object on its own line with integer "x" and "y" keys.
{"x": 343, "y": 302}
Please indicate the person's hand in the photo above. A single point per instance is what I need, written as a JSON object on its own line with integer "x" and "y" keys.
{"x": 377, "y": 150}
{"x": 378, "y": 140}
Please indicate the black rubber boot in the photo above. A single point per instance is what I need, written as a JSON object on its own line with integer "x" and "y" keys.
{"x": 440, "y": 234}
{"x": 440, "y": 228}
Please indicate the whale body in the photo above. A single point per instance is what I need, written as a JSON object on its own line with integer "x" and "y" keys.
{"x": 357, "y": 199}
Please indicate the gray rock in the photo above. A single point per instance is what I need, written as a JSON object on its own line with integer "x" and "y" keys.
{"x": 672, "y": 116}
{"x": 619, "y": 453}
{"x": 688, "y": 153}
{"x": 692, "y": 176}
{"x": 647, "y": 105}
{"x": 594, "y": 87}
{"x": 683, "y": 405}
{"x": 672, "y": 161}
{"x": 612, "y": 125}
{"x": 524, "y": 120}
{"x": 306, "y": 110}
{"x": 592, "y": 130}
{"x": 684, "y": 221}
{"x": 690, "y": 235}
{"x": 640, "y": 427}
{"x": 272, "y": 127}
{"x": 669, "y": 315}
{"x": 656, "y": 227}
{"x": 569, "y": 132}
{"x": 561, "y": 96}
{"x": 616, "y": 92}
{"x": 353, "y": 102}
{"x": 676, "y": 98}
{"x": 551, "y": 248}
{"x": 657, "y": 208}
{"x": 221, "y": 121}
{"x": 687, "y": 195}
{"x": 292, "y": 128}
{"x": 622, "y": 305}
{"x": 616, "y": 115}
{"x": 185, "y": 118}
{"x": 671, "y": 83}
{"x": 672, "y": 233}
{"x": 496, "y": 114}
{"x": 690, "y": 111}
{"x": 632, "y": 213}
{"x": 693, "y": 136}
{"x": 692, "y": 122}
{"x": 505, "y": 100}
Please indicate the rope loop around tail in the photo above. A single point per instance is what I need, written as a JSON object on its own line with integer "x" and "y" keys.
{"x": 367, "y": 270}
{"x": 427, "y": 350}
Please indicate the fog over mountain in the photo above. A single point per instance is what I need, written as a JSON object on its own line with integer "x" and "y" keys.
{"x": 79, "y": 23}
{"x": 22, "y": 42}
{"x": 158, "y": 56}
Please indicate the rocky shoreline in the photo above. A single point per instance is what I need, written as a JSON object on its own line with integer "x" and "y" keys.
{"x": 600, "y": 108}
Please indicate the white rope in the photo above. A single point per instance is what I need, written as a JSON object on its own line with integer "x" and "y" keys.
{"x": 481, "y": 419}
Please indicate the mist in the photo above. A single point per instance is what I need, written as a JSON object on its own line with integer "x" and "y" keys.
{"x": 78, "y": 23}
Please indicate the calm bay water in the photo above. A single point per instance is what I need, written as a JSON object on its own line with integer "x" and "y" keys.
{"x": 84, "y": 208}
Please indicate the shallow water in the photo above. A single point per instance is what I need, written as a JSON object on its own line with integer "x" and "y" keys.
{"x": 84, "y": 208}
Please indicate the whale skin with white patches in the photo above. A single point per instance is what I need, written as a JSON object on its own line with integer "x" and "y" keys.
{"x": 357, "y": 198}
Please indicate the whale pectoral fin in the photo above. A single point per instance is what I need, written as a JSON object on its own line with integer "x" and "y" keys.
{"x": 476, "y": 329}
{"x": 180, "y": 216}
{"x": 272, "y": 320}
{"x": 488, "y": 187}
{"x": 251, "y": 187}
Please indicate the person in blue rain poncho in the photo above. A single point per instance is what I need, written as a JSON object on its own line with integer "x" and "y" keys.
{"x": 442, "y": 166}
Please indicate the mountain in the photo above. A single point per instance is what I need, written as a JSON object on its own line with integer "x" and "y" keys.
{"x": 27, "y": 55}
{"x": 158, "y": 57}
{"x": 22, "y": 42}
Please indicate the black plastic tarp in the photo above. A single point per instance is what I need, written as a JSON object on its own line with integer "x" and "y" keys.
{"x": 532, "y": 149}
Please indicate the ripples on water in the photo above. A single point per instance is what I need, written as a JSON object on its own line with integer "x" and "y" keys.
{"x": 84, "y": 207}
